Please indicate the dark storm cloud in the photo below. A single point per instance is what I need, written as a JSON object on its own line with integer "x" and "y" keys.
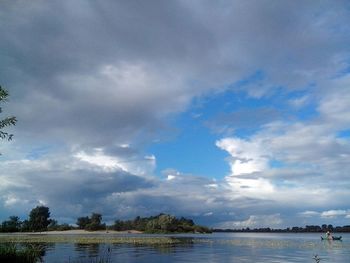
{"x": 61, "y": 182}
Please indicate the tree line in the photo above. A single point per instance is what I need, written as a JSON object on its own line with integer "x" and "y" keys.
{"x": 295, "y": 229}
{"x": 39, "y": 220}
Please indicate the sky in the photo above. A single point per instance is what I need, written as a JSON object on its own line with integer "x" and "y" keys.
{"x": 233, "y": 113}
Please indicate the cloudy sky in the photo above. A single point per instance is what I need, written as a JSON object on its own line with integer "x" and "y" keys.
{"x": 233, "y": 113}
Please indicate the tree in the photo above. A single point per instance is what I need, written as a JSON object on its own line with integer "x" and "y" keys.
{"x": 8, "y": 121}
{"x": 96, "y": 218}
{"x": 118, "y": 225}
{"x": 82, "y": 222}
{"x": 91, "y": 223}
{"x": 167, "y": 223}
{"x": 39, "y": 218}
{"x": 11, "y": 225}
{"x": 25, "y": 226}
{"x": 95, "y": 223}
{"x": 53, "y": 225}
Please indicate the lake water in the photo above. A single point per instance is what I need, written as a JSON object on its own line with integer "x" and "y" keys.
{"x": 217, "y": 247}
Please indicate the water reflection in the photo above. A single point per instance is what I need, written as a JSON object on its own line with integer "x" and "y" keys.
{"x": 218, "y": 248}
{"x": 91, "y": 250}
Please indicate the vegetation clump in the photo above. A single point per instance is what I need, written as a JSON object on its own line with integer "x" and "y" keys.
{"x": 8, "y": 121}
{"x": 92, "y": 223}
{"x": 11, "y": 253}
{"x": 39, "y": 220}
{"x": 163, "y": 223}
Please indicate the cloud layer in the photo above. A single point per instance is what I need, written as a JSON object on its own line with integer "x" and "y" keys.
{"x": 93, "y": 84}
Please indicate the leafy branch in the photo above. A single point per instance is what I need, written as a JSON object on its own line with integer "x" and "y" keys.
{"x": 8, "y": 121}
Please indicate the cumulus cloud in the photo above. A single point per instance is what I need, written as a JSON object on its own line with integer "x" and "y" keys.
{"x": 296, "y": 162}
{"x": 248, "y": 157}
{"x": 309, "y": 214}
{"x": 334, "y": 213}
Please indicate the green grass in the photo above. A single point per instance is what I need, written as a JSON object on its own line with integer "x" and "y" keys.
{"x": 10, "y": 253}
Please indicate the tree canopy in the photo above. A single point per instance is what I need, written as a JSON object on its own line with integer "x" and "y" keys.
{"x": 162, "y": 223}
{"x": 91, "y": 223}
{"x": 39, "y": 218}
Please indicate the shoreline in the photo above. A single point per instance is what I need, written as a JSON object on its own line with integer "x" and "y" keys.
{"x": 76, "y": 232}
{"x": 86, "y": 237}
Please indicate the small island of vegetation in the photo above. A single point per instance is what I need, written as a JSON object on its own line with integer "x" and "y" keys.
{"x": 39, "y": 221}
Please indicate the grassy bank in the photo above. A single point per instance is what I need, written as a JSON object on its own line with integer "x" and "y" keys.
{"x": 91, "y": 239}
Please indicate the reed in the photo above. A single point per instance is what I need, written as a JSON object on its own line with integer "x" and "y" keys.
{"x": 11, "y": 253}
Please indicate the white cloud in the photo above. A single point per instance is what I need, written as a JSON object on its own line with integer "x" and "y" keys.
{"x": 248, "y": 156}
{"x": 12, "y": 200}
{"x": 335, "y": 102}
{"x": 171, "y": 177}
{"x": 139, "y": 166}
{"x": 334, "y": 213}
{"x": 309, "y": 214}
{"x": 255, "y": 188}
{"x": 99, "y": 159}
{"x": 300, "y": 102}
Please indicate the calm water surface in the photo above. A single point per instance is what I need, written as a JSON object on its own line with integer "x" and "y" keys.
{"x": 217, "y": 247}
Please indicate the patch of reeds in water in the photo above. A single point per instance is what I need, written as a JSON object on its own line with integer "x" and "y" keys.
{"x": 11, "y": 253}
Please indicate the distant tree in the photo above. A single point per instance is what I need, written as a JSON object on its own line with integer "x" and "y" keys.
{"x": 25, "y": 227}
{"x": 11, "y": 225}
{"x": 82, "y": 222}
{"x": 96, "y": 218}
{"x": 186, "y": 221}
{"x": 53, "y": 225}
{"x": 64, "y": 227}
{"x": 93, "y": 223}
{"x": 96, "y": 224}
{"x": 39, "y": 218}
{"x": 162, "y": 223}
{"x": 8, "y": 121}
{"x": 118, "y": 225}
{"x": 167, "y": 223}
{"x": 138, "y": 224}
